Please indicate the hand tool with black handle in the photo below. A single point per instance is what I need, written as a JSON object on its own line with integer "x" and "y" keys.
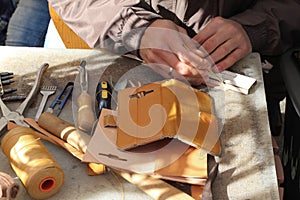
{"x": 103, "y": 96}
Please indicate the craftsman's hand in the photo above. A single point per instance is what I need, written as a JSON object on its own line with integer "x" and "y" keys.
{"x": 166, "y": 44}
{"x": 225, "y": 40}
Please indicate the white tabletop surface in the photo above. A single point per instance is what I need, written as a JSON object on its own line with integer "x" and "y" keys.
{"x": 246, "y": 169}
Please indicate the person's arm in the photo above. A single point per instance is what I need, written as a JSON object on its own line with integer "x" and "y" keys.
{"x": 115, "y": 25}
{"x": 271, "y": 25}
{"x": 268, "y": 27}
{"x": 120, "y": 27}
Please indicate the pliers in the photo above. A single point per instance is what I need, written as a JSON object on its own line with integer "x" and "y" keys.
{"x": 17, "y": 115}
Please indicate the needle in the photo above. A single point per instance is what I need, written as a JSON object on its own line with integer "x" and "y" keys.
{"x": 215, "y": 76}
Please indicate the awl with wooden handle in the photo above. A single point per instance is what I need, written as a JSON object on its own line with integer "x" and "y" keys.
{"x": 74, "y": 137}
{"x": 86, "y": 115}
{"x": 64, "y": 130}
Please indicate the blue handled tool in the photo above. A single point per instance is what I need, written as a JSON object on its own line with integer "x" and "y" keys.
{"x": 61, "y": 99}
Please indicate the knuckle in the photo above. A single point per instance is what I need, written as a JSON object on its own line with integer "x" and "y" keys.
{"x": 183, "y": 71}
{"x": 231, "y": 60}
{"x": 150, "y": 57}
{"x": 155, "y": 51}
{"x": 224, "y": 50}
{"x": 218, "y": 20}
{"x": 208, "y": 45}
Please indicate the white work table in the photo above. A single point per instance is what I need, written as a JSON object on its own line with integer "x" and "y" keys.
{"x": 246, "y": 169}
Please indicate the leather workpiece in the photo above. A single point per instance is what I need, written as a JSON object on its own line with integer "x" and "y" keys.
{"x": 169, "y": 109}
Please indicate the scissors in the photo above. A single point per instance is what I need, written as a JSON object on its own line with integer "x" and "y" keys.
{"x": 59, "y": 102}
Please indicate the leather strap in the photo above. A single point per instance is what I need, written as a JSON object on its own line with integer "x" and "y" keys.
{"x": 53, "y": 139}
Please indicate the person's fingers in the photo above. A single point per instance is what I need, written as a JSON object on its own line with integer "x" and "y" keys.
{"x": 168, "y": 73}
{"x": 173, "y": 60}
{"x": 196, "y": 81}
{"x": 230, "y": 59}
{"x": 223, "y": 50}
{"x": 181, "y": 30}
{"x": 227, "y": 30}
{"x": 225, "y": 40}
{"x": 188, "y": 55}
{"x": 160, "y": 61}
{"x": 172, "y": 47}
{"x": 210, "y": 29}
{"x": 214, "y": 42}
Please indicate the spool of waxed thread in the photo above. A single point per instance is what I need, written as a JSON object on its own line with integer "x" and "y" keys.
{"x": 9, "y": 190}
{"x": 32, "y": 162}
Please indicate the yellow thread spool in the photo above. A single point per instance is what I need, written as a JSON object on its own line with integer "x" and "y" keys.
{"x": 32, "y": 162}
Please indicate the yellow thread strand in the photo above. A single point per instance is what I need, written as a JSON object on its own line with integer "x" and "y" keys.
{"x": 120, "y": 183}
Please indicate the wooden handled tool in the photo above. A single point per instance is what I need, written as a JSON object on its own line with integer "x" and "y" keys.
{"x": 79, "y": 140}
{"x": 86, "y": 116}
{"x": 64, "y": 130}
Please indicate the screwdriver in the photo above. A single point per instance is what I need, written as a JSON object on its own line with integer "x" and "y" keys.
{"x": 86, "y": 116}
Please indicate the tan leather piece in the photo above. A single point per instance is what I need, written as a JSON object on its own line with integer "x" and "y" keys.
{"x": 42, "y": 133}
{"x": 191, "y": 167}
{"x": 166, "y": 110}
{"x": 92, "y": 168}
{"x": 196, "y": 191}
{"x": 109, "y": 121}
{"x": 68, "y": 36}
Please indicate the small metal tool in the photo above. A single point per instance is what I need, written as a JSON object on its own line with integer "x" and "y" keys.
{"x": 17, "y": 115}
{"x": 214, "y": 76}
{"x": 46, "y": 91}
{"x": 61, "y": 99}
{"x": 5, "y": 79}
{"x": 7, "y": 91}
{"x": 83, "y": 77}
{"x": 3, "y": 74}
{"x": 140, "y": 94}
{"x": 18, "y": 97}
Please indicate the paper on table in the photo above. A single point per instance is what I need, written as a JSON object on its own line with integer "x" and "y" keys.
{"x": 234, "y": 81}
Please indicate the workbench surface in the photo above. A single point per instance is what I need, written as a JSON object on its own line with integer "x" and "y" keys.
{"x": 246, "y": 169}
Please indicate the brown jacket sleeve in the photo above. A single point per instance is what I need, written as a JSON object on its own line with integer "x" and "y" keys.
{"x": 107, "y": 24}
{"x": 272, "y": 25}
